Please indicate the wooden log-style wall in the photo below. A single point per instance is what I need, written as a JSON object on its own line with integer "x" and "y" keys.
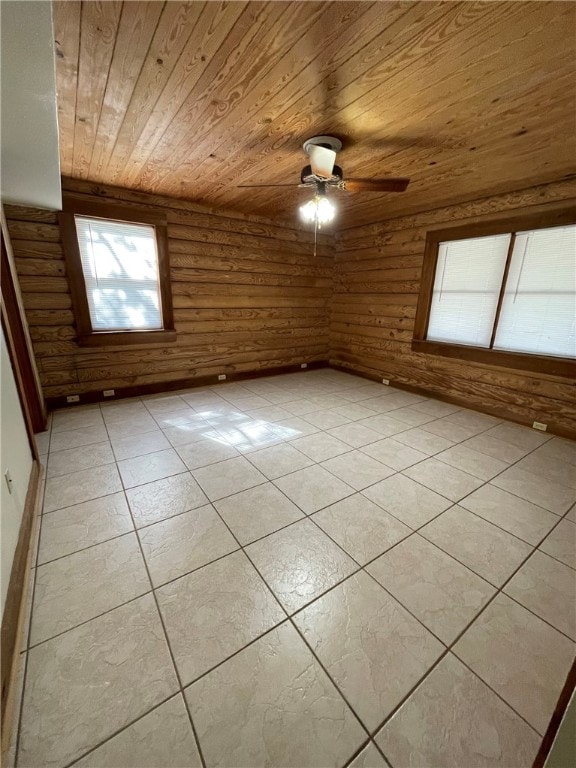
{"x": 376, "y": 285}
{"x": 248, "y": 295}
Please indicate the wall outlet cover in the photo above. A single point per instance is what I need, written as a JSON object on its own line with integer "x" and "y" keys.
{"x": 386, "y": 381}
{"x": 303, "y": 365}
{"x": 108, "y": 393}
{"x": 221, "y": 377}
{"x": 73, "y": 399}
{"x": 540, "y": 426}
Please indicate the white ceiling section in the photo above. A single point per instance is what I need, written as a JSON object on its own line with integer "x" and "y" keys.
{"x": 30, "y": 171}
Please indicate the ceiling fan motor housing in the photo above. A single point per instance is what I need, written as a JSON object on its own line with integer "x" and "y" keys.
{"x": 308, "y": 177}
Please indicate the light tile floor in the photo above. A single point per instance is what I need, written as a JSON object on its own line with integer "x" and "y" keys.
{"x": 302, "y": 570}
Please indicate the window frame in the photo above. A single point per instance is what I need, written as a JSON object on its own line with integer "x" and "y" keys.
{"x": 548, "y": 364}
{"x": 87, "y": 336}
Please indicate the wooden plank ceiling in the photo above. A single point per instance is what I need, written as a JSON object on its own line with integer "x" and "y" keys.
{"x": 192, "y": 99}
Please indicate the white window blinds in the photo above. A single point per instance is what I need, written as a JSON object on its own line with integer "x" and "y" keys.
{"x": 466, "y": 289}
{"x": 120, "y": 266}
{"x": 538, "y": 312}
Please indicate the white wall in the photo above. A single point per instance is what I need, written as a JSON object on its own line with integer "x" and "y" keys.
{"x": 30, "y": 167}
{"x": 15, "y": 456}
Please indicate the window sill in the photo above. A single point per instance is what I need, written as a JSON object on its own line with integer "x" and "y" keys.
{"x": 131, "y": 338}
{"x": 552, "y": 366}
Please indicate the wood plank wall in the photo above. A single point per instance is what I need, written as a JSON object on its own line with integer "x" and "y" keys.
{"x": 248, "y": 295}
{"x": 377, "y": 279}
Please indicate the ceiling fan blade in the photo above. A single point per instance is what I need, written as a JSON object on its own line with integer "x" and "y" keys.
{"x": 322, "y": 160}
{"x": 266, "y": 185}
{"x": 374, "y": 185}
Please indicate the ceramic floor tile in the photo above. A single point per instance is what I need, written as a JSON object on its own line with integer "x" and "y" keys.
{"x": 257, "y": 512}
{"x": 498, "y": 449}
{"x": 272, "y": 704}
{"x": 75, "y": 438}
{"x": 122, "y": 410}
{"x": 152, "y": 466}
{"x": 321, "y": 446}
{"x": 301, "y": 407}
{"x": 228, "y": 477}
{"x": 206, "y": 451}
{"x": 175, "y": 418}
{"x": 449, "y": 431}
{"x": 473, "y": 419}
{"x": 279, "y": 460}
{"x": 437, "y": 589}
{"x": 139, "y": 445}
{"x": 327, "y": 419}
{"x": 357, "y": 469}
{"x": 77, "y": 459}
{"x": 164, "y": 498}
{"x": 42, "y": 440}
{"x": 487, "y": 550}
{"x": 369, "y": 758}
{"x": 436, "y": 408}
{"x": 299, "y": 563}
{"x": 473, "y": 462}
{"x": 412, "y": 416}
{"x": 164, "y": 403}
{"x": 190, "y": 431}
{"x": 85, "y": 685}
{"x": 355, "y": 435}
{"x": 513, "y": 514}
{"x": 548, "y": 589}
{"x": 296, "y": 427}
{"x": 561, "y": 543}
{"x": 394, "y": 454}
{"x": 163, "y": 737}
{"x": 83, "y": 585}
{"x": 550, "y": 467}
{"x": 353, "y": 411}
{"x": 560, "y": 449}
{"x": 76, "y": 418}
{"x": 270, "y": 413}
{"x": 82, "y": 525}
{"x": 371, "y": 646}
{"x": 360, "y": 527}
{"x": 453, "y": 720}
{"x": 407, "y": 500}
{"x": 522, "y": 437}
{"x": 66, "y": 490}
{"x": 183, "y": 543}
{"x": 313, "y": 488}
{"x": 520, "y": 657}
{"x": 424, "y": 441}
{"x": 135, "y": 425}
{"x": 545, "y": 493}
{"x": 214, "y": 612}
{"x": 445, "y": 480}
{"x": 384, "y": 424}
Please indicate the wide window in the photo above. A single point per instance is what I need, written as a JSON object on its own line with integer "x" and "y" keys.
{"x": 118, "y": 275}
{"x": 503, "y": 297}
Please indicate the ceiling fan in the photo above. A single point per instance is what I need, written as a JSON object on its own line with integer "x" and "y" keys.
{"x": 322, "y": 173}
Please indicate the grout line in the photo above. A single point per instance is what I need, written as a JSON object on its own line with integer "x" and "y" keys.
{"x": 166, "y": 639}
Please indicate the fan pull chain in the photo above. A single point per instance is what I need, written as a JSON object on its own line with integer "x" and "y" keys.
{"x": 315, "y": 233}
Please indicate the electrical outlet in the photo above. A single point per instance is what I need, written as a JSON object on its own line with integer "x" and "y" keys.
{"x": 386, "y": 381}
{"x": 540, "y": 426}
{"x": 8, "y": 479}
{"x": 303, "y": 365}
{"x": 73, "y": 399}
{"x": 221, "y": 377}
{"x": 108, "y": 393}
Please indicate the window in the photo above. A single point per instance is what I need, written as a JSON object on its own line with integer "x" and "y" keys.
{"x": 118, "y": 272}
{"x": 502, "y": 297}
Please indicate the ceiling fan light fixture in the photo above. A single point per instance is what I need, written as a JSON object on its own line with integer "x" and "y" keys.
{"x": 319, "y": 210}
